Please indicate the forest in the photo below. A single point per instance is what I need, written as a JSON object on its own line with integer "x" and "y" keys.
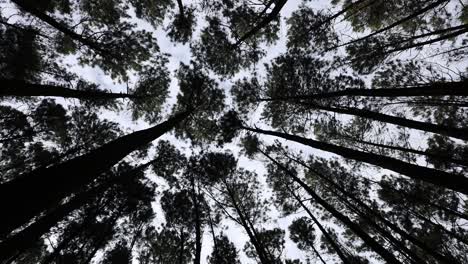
{"x": 233, "y": 131}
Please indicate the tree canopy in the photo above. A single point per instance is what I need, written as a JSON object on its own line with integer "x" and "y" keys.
{"x": 233, "y": 131}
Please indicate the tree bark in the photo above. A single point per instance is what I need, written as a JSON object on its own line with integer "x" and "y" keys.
{"x": 24, "y": 89}
{"x": 455, "y": 182}
{"x": 44, "y": 188}
{"x": 371, "y": 242}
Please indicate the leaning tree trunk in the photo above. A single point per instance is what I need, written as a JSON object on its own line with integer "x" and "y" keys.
{"x": 339, "y": 13}
{"x": 253, "y": 238}
{"x": 410, "y": 150}
{"x": 325, "y": 233}
{"x": 451, "y": 33}
{"x": 371, "y": 242}
{"x": 399, "y": 244}
{"x": 104, "y": 239}
{"x": 418, "y": 90}
{"x": 59, "y": 26}
{"x": 461, "y": 133}
{"x": 394, "y": 227}
{"x": 26, "y": 238}
{"x": 19, "y": 88}
{"x": 455, "y": 182}
{"x": 271, "y": 16}
{"x": 396, "y": 23}
{"x": 42, "y": 189}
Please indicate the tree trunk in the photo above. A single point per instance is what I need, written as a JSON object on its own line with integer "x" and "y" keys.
{"x": 182, "y": 245}
{"x": 267, "y": 6}
{"x": 460, "y": 133}
{"x": 253, "y": 238}
{"x": 390, "y": 237}
{"x": 44, "y": 188}
{"x": 394, "y": 227}
{"x": 24, "y": 89}
{"x": 318, "y": 254}
{"x": 439, "y": 227}
{"x": 213, "y": 235}
{"x": 339, "y": 13}
{"x": 325, "y": 233}
{"x": 104, "y": 239}
{"x": 397, "y": 23}
{"x": 271, "y": 16}
{"x": 414, "y": 151}
{"x": 27, "y": 237}
{"x": 455, "y": 31}
{"x": 196, "y": 210}
{"x": 57, "y": 25}
{"x": 455, "y": 182}
{"x": 371, "y": 242}
{"x": 431, "y": 89}
{"x": 181, "y": 8}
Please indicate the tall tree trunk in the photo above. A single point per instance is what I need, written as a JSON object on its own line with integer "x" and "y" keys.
{"x": 429, "y": 103}
{"x": 271, "y": 16}
{"x": 103, "y": 236}
{"x": 396, "y": 23}
{"x": 182, "y": 245}
{"x": 450, "y": 33}
{"x": 460, "y": 133}
{"x": 213, "y": 235}
{"x": 253, "y": 238}
{"x": 455, "y": 182}
{"x": 430, "y": 89}
{"x": 28, "y": 7}
{"x": 356, "y": 11}
{"x": 88, "y": 219}
{"x": 371, "y": 242}
{"x": 440, "y": 227}
{"x": 44, "y": 188}
{"x": 196, "y": 210}
{"x": 448, "y": 210}
{"x": 267, "y": 6}
{"x": 325, "y": 233}
{"x": 31, "y": 30}
{"x": 393, "y": 226}
{"x": 21, "y": 88}
{"x": 339, "y": 13}
{"x": 318, "y": 254}
{"x": 181, "y": 8}
{"x": 27, "y": 237}
{"x": 414, "y": 151}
